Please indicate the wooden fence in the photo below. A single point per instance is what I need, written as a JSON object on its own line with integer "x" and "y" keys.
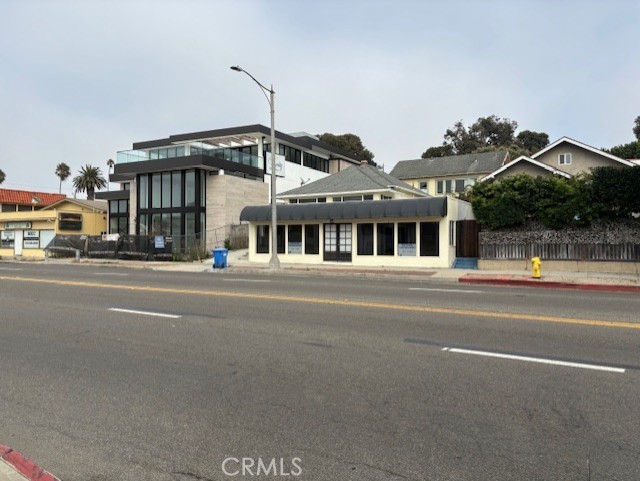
{"x": 578, "y": 252}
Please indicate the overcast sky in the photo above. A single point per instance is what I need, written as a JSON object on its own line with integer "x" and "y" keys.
{"x": 80, "y": 80}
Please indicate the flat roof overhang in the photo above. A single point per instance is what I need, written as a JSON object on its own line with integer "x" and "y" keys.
{"x": 114, "y": 195}
{"x": 127, "y": 171}
{"x": 330, "y": 211}
{"x": 235, "y": 136}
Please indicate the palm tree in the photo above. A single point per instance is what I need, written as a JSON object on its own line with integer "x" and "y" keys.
{"x": 110, "y": 164}
{"x": 63, "y": 172}
{"x": 89, "y": 179}
{"x": 2, "y": 176}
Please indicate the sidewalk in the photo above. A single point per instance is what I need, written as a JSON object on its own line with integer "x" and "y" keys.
{"x": 237, "y": 262}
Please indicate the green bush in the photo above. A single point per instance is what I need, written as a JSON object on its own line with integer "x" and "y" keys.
{"x": 556, "y": 202}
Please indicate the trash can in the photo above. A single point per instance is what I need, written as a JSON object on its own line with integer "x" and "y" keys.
{"x": 220, "y": 257}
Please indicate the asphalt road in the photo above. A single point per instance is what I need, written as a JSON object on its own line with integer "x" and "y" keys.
{"x": 123, "y": 374}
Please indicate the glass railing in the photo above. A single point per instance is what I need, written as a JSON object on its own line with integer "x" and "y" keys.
{"x": 231, "y": 155}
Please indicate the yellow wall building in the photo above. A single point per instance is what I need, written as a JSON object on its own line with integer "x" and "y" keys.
{"x": 26, "y": 234}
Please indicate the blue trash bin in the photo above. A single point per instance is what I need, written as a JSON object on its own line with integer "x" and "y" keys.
{"x": 220, "y": 258}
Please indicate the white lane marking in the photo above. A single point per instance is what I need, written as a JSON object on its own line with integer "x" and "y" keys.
{"x": 539, "y": 360}
{"x": 246, "y": 280}
{"x": 109, "y": 274}
{"x": 445, "y": 290}
{"x": 145, "y": 313}
{"x": 10, "y": 268}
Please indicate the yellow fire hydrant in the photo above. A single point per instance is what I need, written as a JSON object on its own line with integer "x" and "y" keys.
{"x": 536, "y": 264}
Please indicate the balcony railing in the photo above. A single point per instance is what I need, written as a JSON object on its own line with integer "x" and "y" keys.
{"x": 231, "y": 155}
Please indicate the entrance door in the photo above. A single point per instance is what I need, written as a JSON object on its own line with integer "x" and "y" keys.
{"x": 337, "y": 242}
{"x": 467, "y": 238}
{"x": 17, "y": 243}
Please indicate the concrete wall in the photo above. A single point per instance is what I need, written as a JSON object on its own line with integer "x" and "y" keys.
{"x": 560, "y": 266}
{"x": 226, "y": 196}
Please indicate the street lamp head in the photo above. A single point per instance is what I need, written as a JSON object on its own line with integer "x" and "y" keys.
{"x": 236, "y": 68}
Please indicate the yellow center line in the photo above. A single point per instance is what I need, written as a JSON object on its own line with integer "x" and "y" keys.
{"x": 336, "y": 302}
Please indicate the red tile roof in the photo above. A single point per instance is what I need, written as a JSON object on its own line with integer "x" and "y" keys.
{"x": 26, "y": 197}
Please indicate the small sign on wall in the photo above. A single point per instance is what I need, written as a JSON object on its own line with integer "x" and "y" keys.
{"x": 295, "y": 247}
{"x": 406, "y": 250}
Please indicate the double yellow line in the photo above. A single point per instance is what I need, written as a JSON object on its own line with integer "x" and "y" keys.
{"x": 335, "y": 302}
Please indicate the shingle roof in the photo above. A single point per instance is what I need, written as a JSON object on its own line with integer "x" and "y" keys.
{"x": 27, "y": 197}
{"x": 353, "y": 179}
{"x": 480, "y": 163}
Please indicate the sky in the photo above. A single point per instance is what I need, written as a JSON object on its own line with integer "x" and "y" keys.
{"x": 83, "y": 79}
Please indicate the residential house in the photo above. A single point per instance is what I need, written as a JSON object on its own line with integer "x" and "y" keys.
{"x": 27, "y": 233}
{"x": 193, "y": 186}
{"x": 450, "y": 174}
{"x": 565, "y": 157}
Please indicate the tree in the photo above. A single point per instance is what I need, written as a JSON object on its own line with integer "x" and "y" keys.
{"x": 626, "y": 151}
{"x": 636, "y": 129}
{"x": 493, "y": 131}
{"x": 63, "y": 172}
{"x": 441, "y": 151}
{"x": 488, "y": 134}
{"x": 2, "y": 176}
{"x": 531, "y": 141}
{"x": 89, "y": 179}
{"x": 350, "y": 144}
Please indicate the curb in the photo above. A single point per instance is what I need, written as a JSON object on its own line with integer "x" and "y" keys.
{"x": 472, "y": 279}
{"x": 25, "y": 466}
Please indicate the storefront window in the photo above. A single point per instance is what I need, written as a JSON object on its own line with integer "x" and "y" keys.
{"x": 262, "y": 239}
{"x": 365, "y": 239}
{"x": 295, "y": 239}
{"x": 429, "y": 239}
{"x": 312, "y": 239}
{"x": 385, "y": 239}
{"x": 406, "y": 239}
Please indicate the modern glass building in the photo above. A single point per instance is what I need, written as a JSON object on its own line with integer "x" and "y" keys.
{"x": 193, "y": 186}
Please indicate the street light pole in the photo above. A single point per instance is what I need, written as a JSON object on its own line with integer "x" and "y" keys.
{"x": 274, "y": 262}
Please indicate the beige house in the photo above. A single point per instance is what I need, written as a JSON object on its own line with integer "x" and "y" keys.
{"x": 565, "y": 157}
{"x": 27, "y": 233}
{"x": 450, "y": 174}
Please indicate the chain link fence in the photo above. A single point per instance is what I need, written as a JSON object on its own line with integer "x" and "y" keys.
{"x": 132, "y": 247}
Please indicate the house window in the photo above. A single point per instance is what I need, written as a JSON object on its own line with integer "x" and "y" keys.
{"x": 365, "y": 239}
{"x": 385, "y": 239}
{"x": 564, "y": 159}
{"x": 262, "y": 239}
{"x": 429, "y": 239}
{"x": 445, "y": 186}
{"x": 295, "y": 239}
{"x": 312, "y": 239}
{"x": 424, "y": 188}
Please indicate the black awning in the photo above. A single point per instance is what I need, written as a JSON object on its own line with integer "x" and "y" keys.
{"x": 368, "y": 209}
